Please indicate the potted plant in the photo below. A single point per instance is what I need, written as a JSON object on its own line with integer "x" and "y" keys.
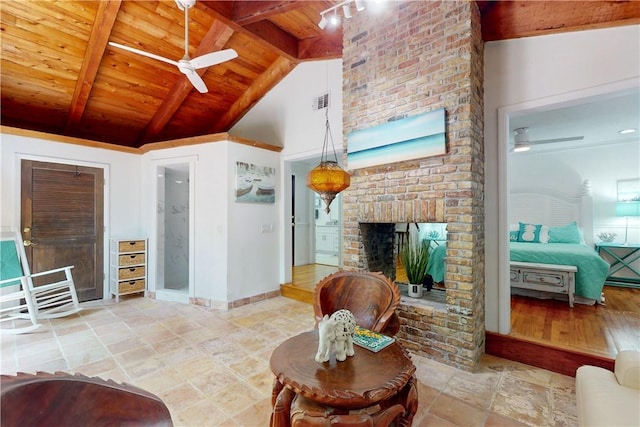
{"x": 414, "y": 259}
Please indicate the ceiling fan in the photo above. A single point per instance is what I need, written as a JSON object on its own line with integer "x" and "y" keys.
{"x": 522, "y": 142}
{"x": 186, "y": 65}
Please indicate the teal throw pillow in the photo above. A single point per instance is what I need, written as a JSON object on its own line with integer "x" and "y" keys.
{"x": 565, "y": 234}
{"x": 529, "y": 233}
{"x": 513, "y": 235}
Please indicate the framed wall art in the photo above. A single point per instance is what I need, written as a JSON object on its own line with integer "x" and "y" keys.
{"x": 629, "y": 190}
{"x": 255, "y": 184}
{"x": 397, "y": 141}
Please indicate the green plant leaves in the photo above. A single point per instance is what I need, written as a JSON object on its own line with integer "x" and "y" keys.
{"x": 414, "y": 258}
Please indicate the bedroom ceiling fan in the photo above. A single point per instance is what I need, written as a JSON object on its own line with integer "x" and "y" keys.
{"x": 522, "y": 142}
{"x": 187, "y": 65}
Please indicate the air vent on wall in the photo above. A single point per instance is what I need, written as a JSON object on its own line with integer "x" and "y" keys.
{"x": 321, "y": 102}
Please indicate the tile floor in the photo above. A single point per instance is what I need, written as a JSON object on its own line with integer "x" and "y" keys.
{"x": 211, "y": 367}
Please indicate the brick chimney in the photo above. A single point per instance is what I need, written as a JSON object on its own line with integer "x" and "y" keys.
{"x": 411, "y": 58}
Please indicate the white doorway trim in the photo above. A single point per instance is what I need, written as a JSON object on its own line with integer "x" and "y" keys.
{"x": 106, "y": 291}
{"x": 504, "y": 115}
{"x": 163, "y": 294}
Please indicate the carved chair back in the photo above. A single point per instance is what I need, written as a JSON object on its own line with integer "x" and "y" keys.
{"x": 371, "y": 297}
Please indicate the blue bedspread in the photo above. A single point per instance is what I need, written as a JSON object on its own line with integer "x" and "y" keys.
{"x": 592, "y": 269}
{"x": 436, "y": 266}
{"x": 590, "y": 277}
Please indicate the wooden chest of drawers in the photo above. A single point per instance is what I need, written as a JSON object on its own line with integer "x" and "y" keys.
{"x": 128, "y": 266}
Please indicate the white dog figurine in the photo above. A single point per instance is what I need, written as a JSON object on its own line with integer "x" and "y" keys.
{"x": 336, "y": 331}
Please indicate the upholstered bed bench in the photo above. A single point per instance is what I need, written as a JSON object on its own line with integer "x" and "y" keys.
{"x": 559, "y": 279}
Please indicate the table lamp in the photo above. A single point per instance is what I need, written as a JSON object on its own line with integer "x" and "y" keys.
{"x": 627, "y": 209}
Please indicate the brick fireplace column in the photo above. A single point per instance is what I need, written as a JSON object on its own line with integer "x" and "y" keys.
{"x": 411, "y": 58}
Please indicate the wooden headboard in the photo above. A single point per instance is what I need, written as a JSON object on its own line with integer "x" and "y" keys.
{"x": 549, "y": 207}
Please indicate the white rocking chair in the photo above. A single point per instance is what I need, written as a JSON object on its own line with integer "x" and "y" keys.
{"x": 14, "y": 290}
{"x": 55, "y": 298}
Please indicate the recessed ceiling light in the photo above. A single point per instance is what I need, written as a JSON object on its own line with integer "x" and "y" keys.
{"x": 626, "y": 131}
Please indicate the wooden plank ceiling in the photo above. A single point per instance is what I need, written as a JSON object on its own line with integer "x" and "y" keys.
{"x": 59, "y": 74}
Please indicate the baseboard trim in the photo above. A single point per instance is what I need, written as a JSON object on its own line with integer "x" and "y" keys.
{"x": 552, "y": 358}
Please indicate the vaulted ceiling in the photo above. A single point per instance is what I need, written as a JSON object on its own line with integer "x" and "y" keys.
{"x": 60, "y": 75}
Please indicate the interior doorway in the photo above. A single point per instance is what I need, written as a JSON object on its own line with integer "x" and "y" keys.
{"x": 62, "y": 222}
{"x": 316, "y": 235}
{"x": 173, "y": 272}
{"x": 328, "y": 229}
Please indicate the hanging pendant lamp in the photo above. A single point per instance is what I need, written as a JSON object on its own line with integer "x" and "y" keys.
{"x": 328, "y": 179}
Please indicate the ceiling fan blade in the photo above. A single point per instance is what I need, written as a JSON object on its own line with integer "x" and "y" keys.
{"x": 213, "y": 58}
{"x": 548, "y": 141}
{"x": 196, "y": 81}
{"x": 143, "y": 53}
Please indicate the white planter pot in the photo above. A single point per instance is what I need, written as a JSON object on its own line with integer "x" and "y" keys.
{"x": 414, "y": 291}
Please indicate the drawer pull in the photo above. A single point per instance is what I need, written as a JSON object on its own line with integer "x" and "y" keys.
{"x": 132, "y": 269}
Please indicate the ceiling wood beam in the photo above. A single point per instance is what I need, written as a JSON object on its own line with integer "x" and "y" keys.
{"x": 328, "y": 46}
{"x": 275, "y": 37}
{"x": 221, "y": 14}
{"x": 267, "y": 80}
{"x": 515, "y": 19}
{"x": 250, "y": 12}
{"x": 105, "y": 18}
{"x": 215, "y": 39}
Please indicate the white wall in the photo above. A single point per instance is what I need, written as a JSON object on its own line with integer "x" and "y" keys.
{"x": 285, "y": 117}
{"x": 121, "y": 172}
{"x": 527, "y": 73}
{"x": 232, "y": 258}
{"x": 565, "y": 171}
{"x": 252, "y": 248}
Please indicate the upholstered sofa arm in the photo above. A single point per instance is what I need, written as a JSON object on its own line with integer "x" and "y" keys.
{"x": 627, "y": 369}
{"x": 606, "y": 398}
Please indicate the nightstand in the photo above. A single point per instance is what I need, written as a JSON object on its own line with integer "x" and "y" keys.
{"x": 624, "y": 261}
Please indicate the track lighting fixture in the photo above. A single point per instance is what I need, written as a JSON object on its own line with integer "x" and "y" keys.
{"x": 334, "y": 19}
{"x": 323, "y": 22}
{"x": 346, "y": 10}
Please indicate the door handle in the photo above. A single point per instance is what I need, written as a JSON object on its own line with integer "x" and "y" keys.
{"x": 28, "y": 243}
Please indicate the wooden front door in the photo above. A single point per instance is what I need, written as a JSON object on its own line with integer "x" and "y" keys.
{"x": 62, "y": 215}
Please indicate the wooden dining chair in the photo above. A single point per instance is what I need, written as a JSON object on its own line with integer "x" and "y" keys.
{"x": 54, "y": 295}
{"x": 372, "y": 298}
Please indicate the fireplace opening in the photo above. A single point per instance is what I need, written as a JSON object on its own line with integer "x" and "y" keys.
{"x": 382, "y": 245}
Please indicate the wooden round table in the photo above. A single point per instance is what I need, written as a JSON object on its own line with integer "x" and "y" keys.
{"x": 361, "y": 381}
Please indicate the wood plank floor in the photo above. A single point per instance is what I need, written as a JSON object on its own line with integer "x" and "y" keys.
{"x": 601, "y": 330}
